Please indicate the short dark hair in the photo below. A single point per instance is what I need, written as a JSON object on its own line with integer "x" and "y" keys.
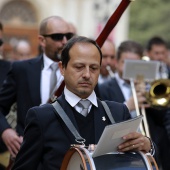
{"x": 155, "y": 41}
{"x": 65, "y": 56}
{"x": 1, "y": 26}
{"x": 130, "y": 46}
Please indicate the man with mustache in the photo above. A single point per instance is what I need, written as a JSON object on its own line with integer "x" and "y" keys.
{"x": 47, "y": 138}
{"x": 28, "y": 81}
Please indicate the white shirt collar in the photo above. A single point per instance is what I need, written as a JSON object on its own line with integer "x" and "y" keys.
{"x": 73, "y": 99}
{"x": 47, "y": 62}
{"x": 120, "y": 81}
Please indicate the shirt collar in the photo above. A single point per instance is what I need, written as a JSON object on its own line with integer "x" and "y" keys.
{"x": 120, "y": 81}
{"x": 47, "y": 61}
{"x": 73, "y": 99}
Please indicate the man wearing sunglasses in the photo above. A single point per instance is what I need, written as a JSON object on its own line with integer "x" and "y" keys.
{"x": 28, "y": 81}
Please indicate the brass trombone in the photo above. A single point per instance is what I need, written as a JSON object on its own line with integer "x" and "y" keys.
{"x": 144, "y": 125}
{"x": 158, "y": 96}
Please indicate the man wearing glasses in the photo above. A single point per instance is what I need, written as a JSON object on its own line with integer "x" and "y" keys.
{"x": 28, "y": 82}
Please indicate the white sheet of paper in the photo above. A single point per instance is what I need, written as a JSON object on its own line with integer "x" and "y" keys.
{"x": 138, "y": 68}
{"x": 112, "y": 135}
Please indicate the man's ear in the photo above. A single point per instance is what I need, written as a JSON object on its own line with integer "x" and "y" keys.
{"x": 41, "y": 40}
{"x": 61, "y": 68}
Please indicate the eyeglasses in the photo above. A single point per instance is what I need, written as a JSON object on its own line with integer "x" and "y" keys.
{"x": 59, "y": 36}
{"x": 1, "y": 42}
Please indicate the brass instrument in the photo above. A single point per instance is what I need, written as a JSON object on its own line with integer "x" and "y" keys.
{"x": 144, "y": 124}
{"x": 158, "y": 95}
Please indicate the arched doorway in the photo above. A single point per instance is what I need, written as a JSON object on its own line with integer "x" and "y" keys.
{"x": 20, "y": 22}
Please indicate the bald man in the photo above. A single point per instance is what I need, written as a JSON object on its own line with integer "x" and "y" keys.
{"x": 22, "y": 50}
{"x": 28, "y": 82}
{"x": 108, "y": 61}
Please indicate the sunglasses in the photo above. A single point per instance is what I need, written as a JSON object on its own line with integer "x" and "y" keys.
{"x": 1, "y": 42}
{"x": 59, "y": 36}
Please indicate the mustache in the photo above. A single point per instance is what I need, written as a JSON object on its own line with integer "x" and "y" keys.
{"x": 85, "y": 81}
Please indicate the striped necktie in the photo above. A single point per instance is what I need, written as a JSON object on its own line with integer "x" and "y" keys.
{"x": 53, "y": 77}
{"x": 85, "y": 105}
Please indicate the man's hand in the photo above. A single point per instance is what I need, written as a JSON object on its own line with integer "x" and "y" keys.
{"x": 12, "y": 141}
{"x": 135, "y": 142}
{"x": 140, "y": 94}
{"x": 130, "y": 104}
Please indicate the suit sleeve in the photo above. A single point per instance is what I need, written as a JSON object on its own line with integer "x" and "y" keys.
{"x": 30, "y": 152}
{"x": 7, "y": 98}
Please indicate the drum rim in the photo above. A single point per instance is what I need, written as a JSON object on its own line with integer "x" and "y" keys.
{"x": 80, "y": 151}
{"x": 86, "y": 156}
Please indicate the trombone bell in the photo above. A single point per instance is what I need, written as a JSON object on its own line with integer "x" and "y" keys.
{"x": 159, "y": 94}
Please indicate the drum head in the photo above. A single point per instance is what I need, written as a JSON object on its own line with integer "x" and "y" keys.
{"x": 75, "y": 162}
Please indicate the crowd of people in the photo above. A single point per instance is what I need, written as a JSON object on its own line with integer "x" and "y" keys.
{"x": 91, "y": 74}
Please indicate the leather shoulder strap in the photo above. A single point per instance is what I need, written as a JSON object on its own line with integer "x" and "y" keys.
{"x": 59, "y": 111}
{"x": 108, "y": 112}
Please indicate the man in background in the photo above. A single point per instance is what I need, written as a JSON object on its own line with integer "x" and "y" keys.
{"x": 157, "y": 49}
{"x": 108, "y": 61}
{"x": 119, "y": 90}
{"x": 22, "y": 50}
{"x": 29, "y": 82}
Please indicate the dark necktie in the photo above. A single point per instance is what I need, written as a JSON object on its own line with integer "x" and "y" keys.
{"x": 85, "y": 105}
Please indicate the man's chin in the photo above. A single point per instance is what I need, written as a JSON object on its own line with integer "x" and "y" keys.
{"x": 85, "y": 92}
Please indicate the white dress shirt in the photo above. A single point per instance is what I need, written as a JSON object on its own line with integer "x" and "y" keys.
{"x": 73, "y": 100}
{"x": 45, "y": 79}
{"x": 124, "y": 86}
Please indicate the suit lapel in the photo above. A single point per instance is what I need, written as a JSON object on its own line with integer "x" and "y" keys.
{"x": 34, "y": 78}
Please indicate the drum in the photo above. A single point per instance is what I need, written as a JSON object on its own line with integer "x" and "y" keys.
{"x": 4, "y": 158}
{"x": 79, "y": 158}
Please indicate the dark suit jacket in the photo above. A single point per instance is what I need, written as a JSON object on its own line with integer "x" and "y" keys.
{"x": 22, "y": 85}
{"x": 168, "y": 68}
{"x": 110, "y": 90}
{"x": 4, "y": 68}
{"x": 46, "y": 137}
